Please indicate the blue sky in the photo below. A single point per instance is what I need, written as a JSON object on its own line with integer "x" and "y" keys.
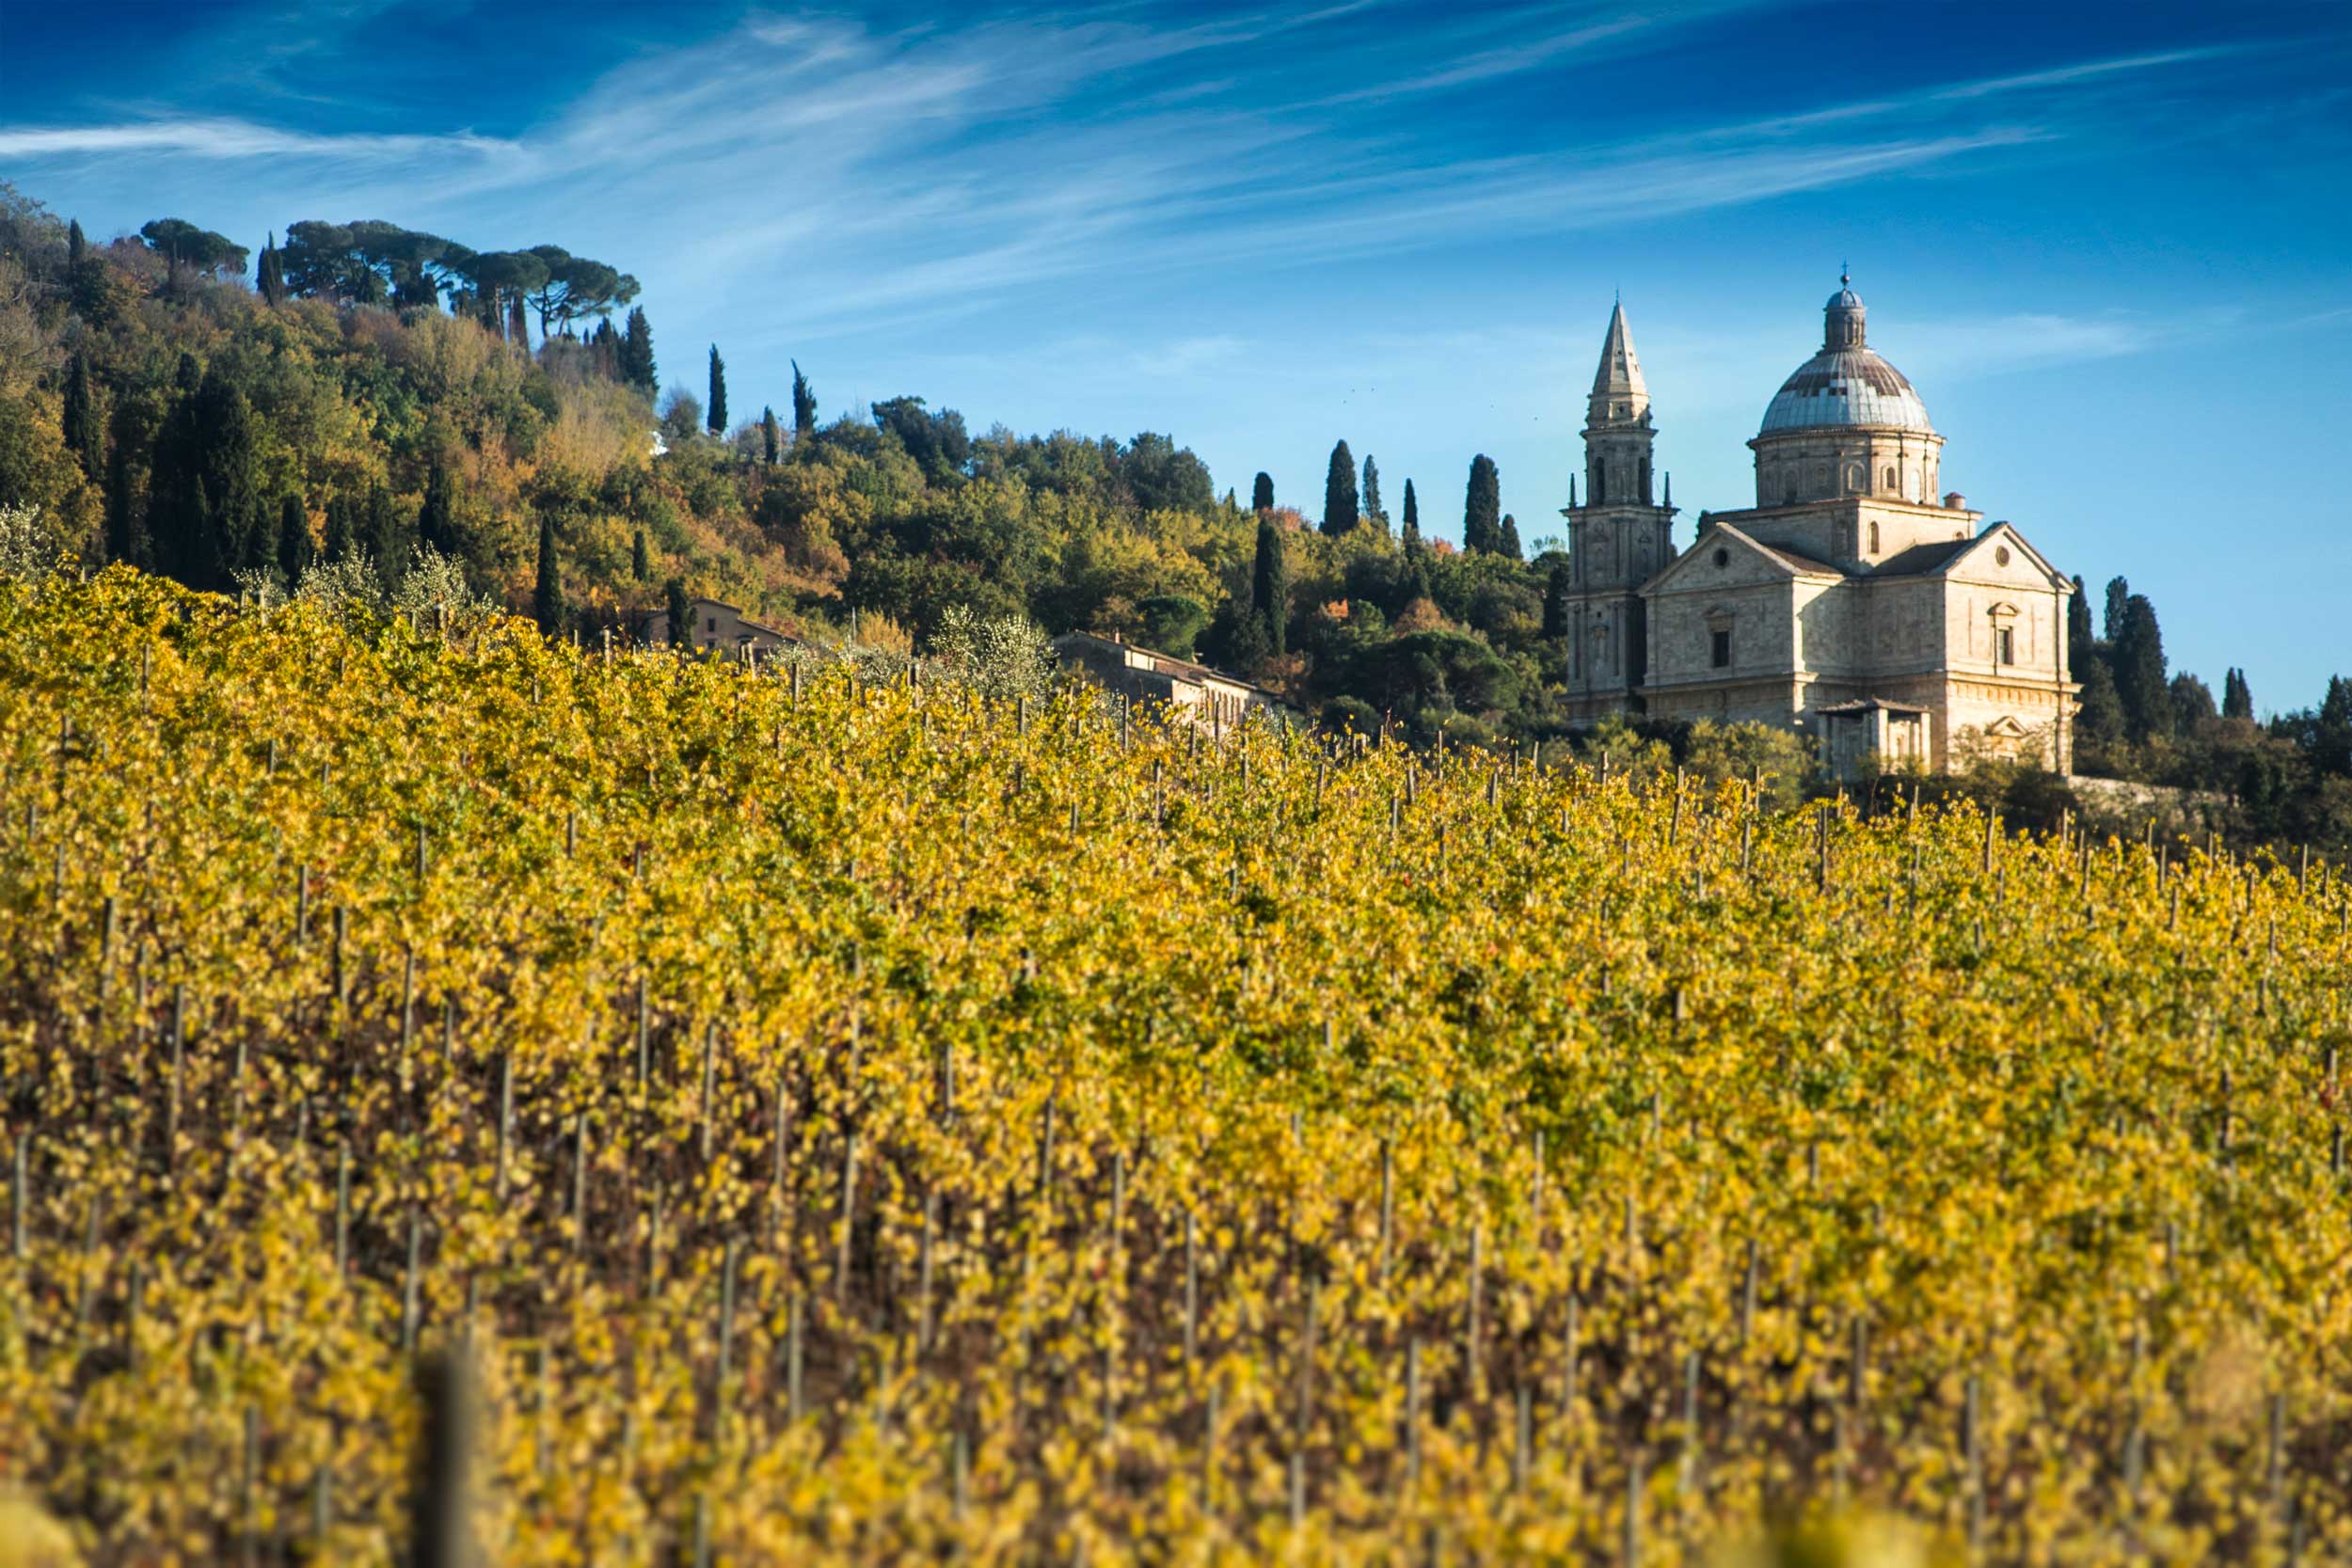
{"x": 2106, "y": 242}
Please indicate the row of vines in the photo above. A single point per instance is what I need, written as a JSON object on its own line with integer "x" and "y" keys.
{"x": 849, "y": 1124}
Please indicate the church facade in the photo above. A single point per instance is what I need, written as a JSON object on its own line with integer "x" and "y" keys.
{"x": 1851, "y": 603}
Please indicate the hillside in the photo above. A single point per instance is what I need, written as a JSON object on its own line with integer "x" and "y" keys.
{"x": 380, "y": 390}
{"x": 169, "y": 416}
{"x": 859, "y": 1125}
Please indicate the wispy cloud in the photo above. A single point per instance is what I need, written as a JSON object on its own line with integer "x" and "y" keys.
{"x": 2087, "y": 70}
{"x": 882, "y": 175}
{"x": 236, "y": 138}
{"x": 1487, "y": 64}
{"x": 1990, "y": 345}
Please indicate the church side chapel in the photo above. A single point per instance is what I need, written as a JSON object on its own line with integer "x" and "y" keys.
{"x": 1850, "y": 602}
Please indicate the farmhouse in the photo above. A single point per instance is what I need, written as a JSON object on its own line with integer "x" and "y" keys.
{"x": 1206, "y": 696}
{"x": 721, "y": 626}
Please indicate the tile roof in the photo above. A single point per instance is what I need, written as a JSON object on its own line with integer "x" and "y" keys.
{"x": 1920, "y": 559}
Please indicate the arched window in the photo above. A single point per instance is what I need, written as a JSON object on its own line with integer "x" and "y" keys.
{"x": 1874, "y": 539}
{"x": 1890, "y": 479}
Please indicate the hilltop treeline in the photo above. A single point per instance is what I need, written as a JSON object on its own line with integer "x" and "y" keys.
{"x": 378, "y": 391}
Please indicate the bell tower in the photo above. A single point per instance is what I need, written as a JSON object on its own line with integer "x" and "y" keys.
{"x": 1618, "y": 538}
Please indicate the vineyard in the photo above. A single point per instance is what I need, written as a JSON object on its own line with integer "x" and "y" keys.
{"x": 845, "y": 1121}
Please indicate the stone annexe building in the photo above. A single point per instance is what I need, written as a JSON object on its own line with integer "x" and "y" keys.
{"x": 1207, "y": 697}
{"x": 719, "y": 626}
{"x": 1849, "y": 602}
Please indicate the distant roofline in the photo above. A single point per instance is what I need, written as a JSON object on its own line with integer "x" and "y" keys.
{"x": 1193, "y": 666}
{"x": 1865, "y": 704}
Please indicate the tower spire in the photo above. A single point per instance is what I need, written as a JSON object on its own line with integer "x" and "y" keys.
{"x": 1618, "y": 391}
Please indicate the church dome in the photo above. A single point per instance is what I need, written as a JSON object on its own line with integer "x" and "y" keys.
{"x": 1847, "y": 383}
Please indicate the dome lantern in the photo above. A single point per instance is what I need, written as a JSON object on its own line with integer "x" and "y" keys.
{"x": 1842, "y": 317}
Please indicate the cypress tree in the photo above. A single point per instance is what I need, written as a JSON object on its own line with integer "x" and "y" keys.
{"x": 76, "y": 244}
{"x": 715, "y": 411}
{"x": 293, "y": 538}
{"x": 1262, "y": 493}
{"x": 682, "y": 614}
{"x": 257, "y": 546}
{"x": 380, "y": 530}
{"x": 636, "y": 353}
{"x": 803, "y": 406}
{"x": 2100, "y": 724}
{"x": 2139, "y": 674}
{"x": 230, "y": 512}
{"x": 270, "y": 274}
{"x": 1339, "y": 492}
{"x": 2331, "y": 734}
{"x": 2237, "y": 697}
{"x": 175, "y": 510}
{"x": 2118, "y": 597}
{"x": 436, "y": 521}
{"x": 2079, "y": 646}
{"x": 1556, "y": 602}
{"x": 640, "y": 566}
{"x": 1412, "y": 519}
{"x": 341, "y": 538}
{"x": 771, "y": 434}
{"x": 1482, "y": 506}
{"x": 82, "y": 432}
{"x": 135, "y": 424}
{"x": 546, "y": 594}
{"x": 1270, "y": 586}
{"x": 1372, "y": 509}
{"x": 1509, "y": 541}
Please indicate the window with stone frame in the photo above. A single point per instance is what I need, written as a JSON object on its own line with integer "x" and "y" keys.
{"x": 1719, "y": 647}
{"x": 2004, "y": 618}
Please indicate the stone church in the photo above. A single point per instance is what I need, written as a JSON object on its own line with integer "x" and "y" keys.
{"x": 1851, "y": 603}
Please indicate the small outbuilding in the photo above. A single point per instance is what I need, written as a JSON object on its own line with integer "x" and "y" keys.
{"x": 719, "y": 628}
{"x": 1206, "y": 696}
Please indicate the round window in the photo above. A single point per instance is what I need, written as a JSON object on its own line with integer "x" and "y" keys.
{"x": 2001, "y": 555}
{"x": 1722, "y": 558}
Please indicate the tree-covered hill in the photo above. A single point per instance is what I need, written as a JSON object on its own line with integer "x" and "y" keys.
{"x": 375, "y": 393}
{"x": 378, "y": 389}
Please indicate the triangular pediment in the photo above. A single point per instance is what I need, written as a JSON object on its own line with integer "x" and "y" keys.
{"x": 1694, "y": 566}
{"x": 1987, "y": 545}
